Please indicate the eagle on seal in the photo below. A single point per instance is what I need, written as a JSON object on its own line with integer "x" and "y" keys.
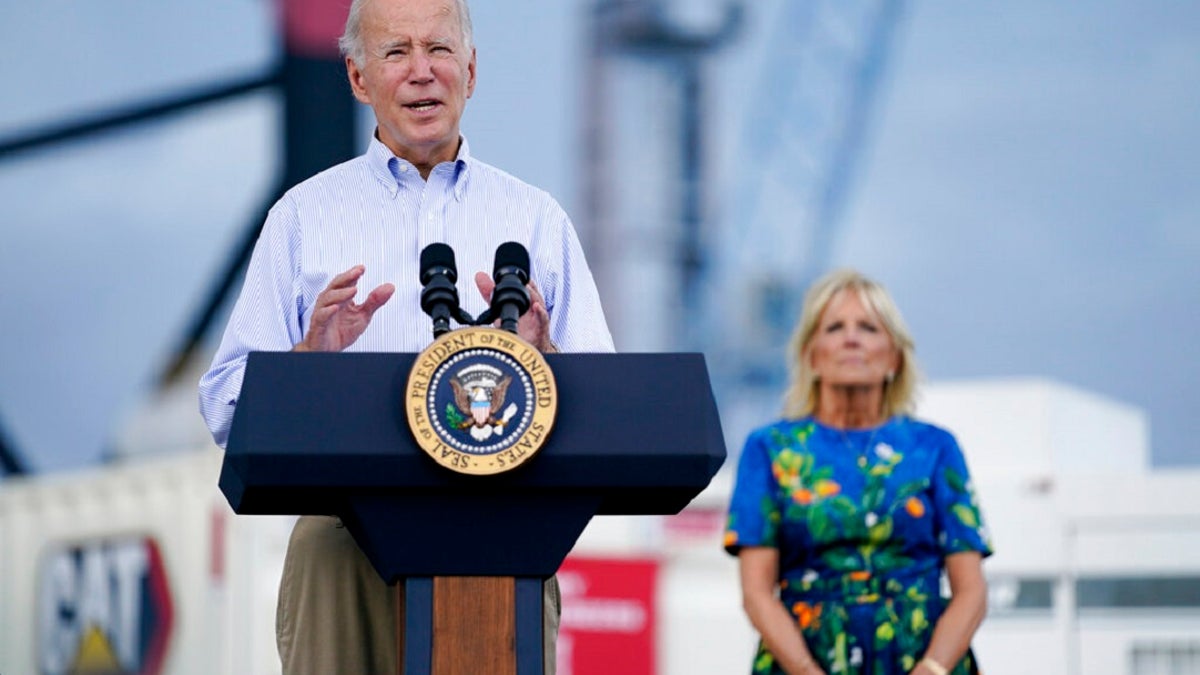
{"x": 480, "y": 403}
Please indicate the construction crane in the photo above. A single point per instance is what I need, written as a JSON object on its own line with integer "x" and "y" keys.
{"x": 645, "y": 31}
{"x": 740, "y": 273}
{"x": 802, "y": 144}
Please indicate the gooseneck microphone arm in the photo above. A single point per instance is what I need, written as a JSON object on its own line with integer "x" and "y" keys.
{"x": 439, "y": 296}
{"x": 462, "y": 317}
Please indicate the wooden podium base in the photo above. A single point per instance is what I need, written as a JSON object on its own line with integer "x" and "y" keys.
{"x": 469, "y": 625}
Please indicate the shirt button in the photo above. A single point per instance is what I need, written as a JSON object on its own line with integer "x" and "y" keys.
{"x": 403, "y": 168}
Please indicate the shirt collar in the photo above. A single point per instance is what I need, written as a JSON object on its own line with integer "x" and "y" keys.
{"x": 389, "y": 169}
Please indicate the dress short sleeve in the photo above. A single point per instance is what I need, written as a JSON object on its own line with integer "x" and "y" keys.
{"x": 959, "y": 519}
{"x": 753, "y": 511}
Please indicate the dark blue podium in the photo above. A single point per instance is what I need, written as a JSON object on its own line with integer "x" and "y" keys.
{"x": 635, "y": 434}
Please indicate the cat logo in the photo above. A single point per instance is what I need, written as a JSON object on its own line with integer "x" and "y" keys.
{"x": 103, "y": 608}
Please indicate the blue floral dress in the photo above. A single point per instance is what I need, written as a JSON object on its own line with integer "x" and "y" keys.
{"x": 863, "y": 521}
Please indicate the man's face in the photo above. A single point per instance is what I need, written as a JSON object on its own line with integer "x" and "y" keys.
{"x": 416, "y": 74}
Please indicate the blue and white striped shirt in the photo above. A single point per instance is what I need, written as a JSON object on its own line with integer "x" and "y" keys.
{"x": 375, "y": 210}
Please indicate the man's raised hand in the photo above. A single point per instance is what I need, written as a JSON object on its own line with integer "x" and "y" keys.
{"x": 337, "y": 321}
{"x": 534, "y": 325}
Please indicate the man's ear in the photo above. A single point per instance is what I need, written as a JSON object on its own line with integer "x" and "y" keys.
{"x": 471, "y": 74}
{"x": 357, "y": 85}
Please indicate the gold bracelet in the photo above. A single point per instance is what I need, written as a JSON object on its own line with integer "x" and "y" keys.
{"x": 933, "y": 666}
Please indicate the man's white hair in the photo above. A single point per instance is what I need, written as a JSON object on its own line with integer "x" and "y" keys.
{"x": 351, "y": 43}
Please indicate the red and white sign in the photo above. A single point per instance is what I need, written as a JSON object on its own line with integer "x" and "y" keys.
{"x": 609, "y": 616}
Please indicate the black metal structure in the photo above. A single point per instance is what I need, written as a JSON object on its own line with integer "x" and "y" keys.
{"x": 642, "y": 28}
{"x": 318, "y": 131}
{"x": 11, "y": 464}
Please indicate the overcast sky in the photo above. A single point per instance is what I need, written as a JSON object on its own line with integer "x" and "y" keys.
{"x": 1027, "y": 190}
{"x": 1031, "y": 199}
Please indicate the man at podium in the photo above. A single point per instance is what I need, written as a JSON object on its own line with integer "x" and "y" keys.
{"x": 361, "y": 225}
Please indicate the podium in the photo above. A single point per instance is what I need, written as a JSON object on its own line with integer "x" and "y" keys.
{"x": 314, "y": 433}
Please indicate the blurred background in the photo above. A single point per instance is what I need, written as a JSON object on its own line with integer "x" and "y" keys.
{"x": 1021, "y": 177}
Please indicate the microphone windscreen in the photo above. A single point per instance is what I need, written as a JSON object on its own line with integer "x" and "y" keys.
{"x": 512, "y": 255}
{"x": 435, "y": 256}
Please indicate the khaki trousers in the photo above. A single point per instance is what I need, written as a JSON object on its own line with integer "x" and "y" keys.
{"x": 336, "y": 616}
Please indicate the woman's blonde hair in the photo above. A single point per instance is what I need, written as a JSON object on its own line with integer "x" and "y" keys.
{"x": 803, "y": 390}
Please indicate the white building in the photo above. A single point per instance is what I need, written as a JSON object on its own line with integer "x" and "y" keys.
{"x": 1097, "y": 569}
{"x": 1097, "y": 564}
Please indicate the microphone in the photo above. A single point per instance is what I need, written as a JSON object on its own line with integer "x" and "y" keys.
{"x": 510, "y": 299}
{"x": 439, "y": 296}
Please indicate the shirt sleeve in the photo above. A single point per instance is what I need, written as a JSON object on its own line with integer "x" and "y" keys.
{"x": 577, "y": 322}
{"x": 958, "y": 517}
{"x": 266, "y": 317}
{"x": 753, "y": 511}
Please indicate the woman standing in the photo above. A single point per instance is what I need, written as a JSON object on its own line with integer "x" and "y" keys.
{"x": 847, "y": 511}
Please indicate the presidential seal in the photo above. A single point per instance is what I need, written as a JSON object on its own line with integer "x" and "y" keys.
{"x": 480, "y": 401}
